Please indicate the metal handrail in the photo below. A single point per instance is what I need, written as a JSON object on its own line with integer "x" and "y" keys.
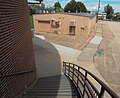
{"x": 83, "y": 82}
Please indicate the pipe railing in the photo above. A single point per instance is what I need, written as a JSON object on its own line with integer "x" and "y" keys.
{"x": 87, "y": 84}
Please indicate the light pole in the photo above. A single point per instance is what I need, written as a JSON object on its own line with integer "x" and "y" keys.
{"x": 98, "y": 9}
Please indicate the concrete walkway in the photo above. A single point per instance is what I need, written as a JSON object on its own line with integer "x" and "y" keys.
{"x": 86, "y": 58}
{"x": 66, "y": 53}
{"x": 109, "y": 64}
{"x": 51, "y": 56}
{"x": 47, "y": 63}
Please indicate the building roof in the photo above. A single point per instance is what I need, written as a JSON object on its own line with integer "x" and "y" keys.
{"x": 81, "y": 14}
{"x": 76, "y": 14}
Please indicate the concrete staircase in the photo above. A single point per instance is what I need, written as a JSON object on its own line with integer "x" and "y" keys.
{"x": 52, "y": 87}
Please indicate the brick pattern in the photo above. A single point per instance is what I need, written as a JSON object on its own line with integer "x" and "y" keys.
{"x": 16, "y": 50}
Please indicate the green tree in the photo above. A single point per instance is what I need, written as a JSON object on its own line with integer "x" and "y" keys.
{"x": 81, "y": 7}
{"x": 109, "y": 10}
{"x": 33, "y": 7}
{"x": 57, "y": 6}
{"x": 42, "y": 6}
{"x": 74, "y": 6}
{"x": 51, "y": 9}
{"x": 71, "y": 6}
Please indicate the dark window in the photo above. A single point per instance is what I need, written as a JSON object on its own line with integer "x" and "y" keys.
{"x": 72, "y": 30}
{"x": 43, "y": 21}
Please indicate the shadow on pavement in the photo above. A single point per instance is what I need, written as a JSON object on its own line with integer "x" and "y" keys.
{"x": 48, "y": 64}
{"x": 50, "y": 83}
{"x": 47, "y": 58}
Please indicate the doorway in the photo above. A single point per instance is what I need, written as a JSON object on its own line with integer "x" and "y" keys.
{"x": 72, "y": 30}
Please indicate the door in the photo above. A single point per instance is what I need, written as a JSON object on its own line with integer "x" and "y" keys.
{"x": 72, "y": 30}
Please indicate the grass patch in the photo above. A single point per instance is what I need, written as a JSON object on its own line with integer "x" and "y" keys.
{"x": 99, "y": 52}
{"x": 31, "y": 21}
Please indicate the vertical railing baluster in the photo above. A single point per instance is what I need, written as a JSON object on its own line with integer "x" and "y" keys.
{"x": 65, "y": 68}
{"x": 102, "y": 92}
{"x": 73, "y": 72}
{"x": 78, "y": 76}
{"x": 84, "y": 84}
{"x": 69, "y": 70}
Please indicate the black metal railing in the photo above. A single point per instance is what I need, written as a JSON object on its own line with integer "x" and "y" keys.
{"x": 87, "y": 84}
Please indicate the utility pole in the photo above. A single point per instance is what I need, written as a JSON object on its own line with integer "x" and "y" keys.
{"x": 98, "y": 9}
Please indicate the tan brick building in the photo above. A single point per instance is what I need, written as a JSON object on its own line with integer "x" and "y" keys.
{"x": 65, "y": 23}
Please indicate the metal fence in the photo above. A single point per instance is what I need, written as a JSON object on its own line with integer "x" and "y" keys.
{"x": 88, "y": 85}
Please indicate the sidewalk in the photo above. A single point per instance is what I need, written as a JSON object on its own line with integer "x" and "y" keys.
{"x": 109, "y": 64}
{"x": 86, "y": 58}
{"x": 66, "y": 53}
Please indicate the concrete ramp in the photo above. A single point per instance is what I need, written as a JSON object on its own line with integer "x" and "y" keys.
{"x": 96, "y": 40}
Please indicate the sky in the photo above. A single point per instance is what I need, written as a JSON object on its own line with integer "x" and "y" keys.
{"x": 91, "y": 5}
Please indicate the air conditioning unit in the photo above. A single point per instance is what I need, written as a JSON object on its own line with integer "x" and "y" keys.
{"x": 72, "y": 22}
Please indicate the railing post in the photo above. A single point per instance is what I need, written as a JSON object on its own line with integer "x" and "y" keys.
{"x": 73, "y": 72}
{"x": 102, "y": 92}
{"x": 84, "y": 84}
{"x": 69, "y": 70}
{"x": 64, "y": 67}
{"x": 78, "y": 76}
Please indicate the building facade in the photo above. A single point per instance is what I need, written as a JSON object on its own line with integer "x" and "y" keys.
{"x": 65, "y": 23}
{"x": 17, "y": 65}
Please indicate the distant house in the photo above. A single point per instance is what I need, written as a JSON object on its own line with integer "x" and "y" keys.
{"x": 118, "y": 16}
{"x": 102, "y": 16}
{"x": 65, "y": 23}
{"x": 38, "y": 11}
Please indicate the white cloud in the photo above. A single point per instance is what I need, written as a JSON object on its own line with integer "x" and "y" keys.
{"x": 32, "y": 1}
{"x": 49, "y": 3}
{"x": 94, "y": 6}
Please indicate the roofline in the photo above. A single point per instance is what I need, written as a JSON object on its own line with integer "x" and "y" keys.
{"x": 66, "y": 14}
{"x": 80, "y": 15}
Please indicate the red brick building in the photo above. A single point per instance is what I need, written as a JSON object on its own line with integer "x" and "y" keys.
{"x": 17, "y": 65}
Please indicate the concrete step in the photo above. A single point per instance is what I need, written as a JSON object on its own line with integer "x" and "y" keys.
{"x": 52, "y": 87}
{"x": 51, "y": 94}
{"x": 50, "y": 97}
{"x": 51, "y": 91}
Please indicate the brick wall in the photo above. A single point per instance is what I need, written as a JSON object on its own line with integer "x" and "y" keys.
{"x": 17, "y": 65}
